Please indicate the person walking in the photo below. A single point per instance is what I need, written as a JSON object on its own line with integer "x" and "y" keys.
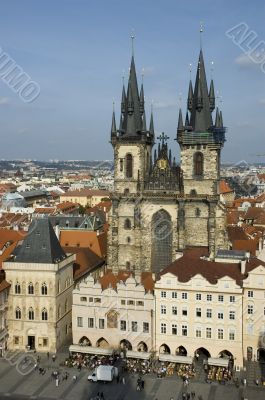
{"x": 123, "y": 380}
{"x": 53, "y": 357}
{"x": 48, "y": 355}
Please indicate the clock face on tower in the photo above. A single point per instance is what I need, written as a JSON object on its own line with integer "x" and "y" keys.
{"x": 162, "y": 163}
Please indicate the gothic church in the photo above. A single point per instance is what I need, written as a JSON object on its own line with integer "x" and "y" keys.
{"x": 160, "y": 208}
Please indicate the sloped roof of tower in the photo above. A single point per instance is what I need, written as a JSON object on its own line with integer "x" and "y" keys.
{"x": 201, "y": 118}
{"x": 113, "y": 124}
{"x": 40, "y": 245}
{"x": 132, "y": 115}
{"x": 180, "y": 122}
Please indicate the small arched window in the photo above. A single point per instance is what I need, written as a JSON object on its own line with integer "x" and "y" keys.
{"x": 44, "y": 289}
{"x": 198, "y": 164}
{"x": 44, "y": 314}
{"x": 128, "y": 239}
{"x": 17, "y": 288}
{"x": 31, "y": 314}
{"x": 30, "y": 288}
{"x": 18, "y": 313}
{"x": 128, "y": 265}
{"x": 129, "y": 165}
{"x": 127, "y": 224}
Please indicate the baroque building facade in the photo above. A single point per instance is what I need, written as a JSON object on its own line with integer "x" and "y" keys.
{"x": 158, "y": 207}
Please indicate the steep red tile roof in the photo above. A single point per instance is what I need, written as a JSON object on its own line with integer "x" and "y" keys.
{"x": 110, "y": 280}
{"x": 236, "y": 233}
{"x": 261, "y": 198}
{"x": 4, "y": 285}
{"x": 224, "y": 187}
{"x": 253, "y": 212}
{"x": 86, "y": 260}
{"x": 192, "y": 264}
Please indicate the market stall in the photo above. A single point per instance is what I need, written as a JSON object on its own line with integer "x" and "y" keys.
{"x": 143, "y": 355}
{"x": 90, "y": 350}
{"x": 182, "y": 365}
{"x": 218, "y": 369}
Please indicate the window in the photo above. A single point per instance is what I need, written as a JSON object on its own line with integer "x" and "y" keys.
{"x": 197, "y": 212}
{"x": 198, "y": 312}
{"x": 129, "y": 165}
{"x": 128, "y": 239}
{"x": 250, "y": 309}
{"x": 140, "y": 303}
{"x": 31, "y": 314}
{"x": 184, "y": 295}
{"x": 164, "y": 294}
{"x": 146, "y": 327}
{"x": 123, "y": 325}
{"x": 83, "y": 298}
{"x": 184, "y": 312}
{"x": 163, "y": 328}
{"x": 163, "y": 310}
{"x": 208, "y": 333}
{"x": 174, "y": 295}
{"x": 250, "y": 293}
{"x": 174, "y": 329}
{"x": 30, "y": 288}
{"x": 174, "y": 310}
{"x": 232, "y": 315}
{"x": 121, "y": 164}
{"x": 184, "y": 330}
{"x": 80, "y": 322}
{"x": 90, "y": 322}
{"x": 16, "y": 339}
{"x": 209, "y": 313}
{"x": 17, "y": 288}
{"x": 134, "y": 326}
{"x": 198, "y": 164}
{"x": 97, "y": 300}
{"x": 18, "y": 313}
{"x": 91, "y": 299}
{"x": 198, "y": 333}
{"x": 44, "y": 315}
{"x": 209, "y": 297}
{"x": 101, "y": 323}
{"x": 220, "y": 333}
{"x": 198, "y": 296}
{"x": 127, "y": 224}
{"x": 131, "y": 302}
{"x": 45, "y": 342}
{"x": 123, "y": 302}
{"x": 44, "y": 289}
{"x": 220, "y": 298}
{"x": 220, "y": 315}
{"x": 231, "y": 335}
{"x": 232, "y": 299}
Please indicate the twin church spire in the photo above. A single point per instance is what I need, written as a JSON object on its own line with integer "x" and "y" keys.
{"x": 133, "y": 119}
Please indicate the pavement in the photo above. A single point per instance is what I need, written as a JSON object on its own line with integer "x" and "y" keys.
{"x": 20, "y": 381}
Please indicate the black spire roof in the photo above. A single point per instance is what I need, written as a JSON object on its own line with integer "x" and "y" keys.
{"x": 201, "y": 117}
{"x": 40, "y": 245}
{"x": 180, "y": 122}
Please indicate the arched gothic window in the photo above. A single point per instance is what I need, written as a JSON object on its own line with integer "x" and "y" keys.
{"x": 31, "y": 314}
{"x": 127, "y": 224}
{"x": 161, "y": 226}
{"x": 44, "y": 314}
{"x": 30, "y": 288}
{"x": 198, "y": 164}
{"x": 18, "y": 313}
{"x": 17, "y": 288}
{"x": 129, "y": 165}
{"x": 44, "y": 289}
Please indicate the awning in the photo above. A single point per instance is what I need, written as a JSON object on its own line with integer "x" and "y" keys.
{"x": 218, "y": 362}
{"x": 175, "y": 359}
{"x": 74, "y": 348}
{"x": 143, "y": 355}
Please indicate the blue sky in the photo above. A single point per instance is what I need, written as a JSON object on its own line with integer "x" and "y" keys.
{"x": 77, "y": 51}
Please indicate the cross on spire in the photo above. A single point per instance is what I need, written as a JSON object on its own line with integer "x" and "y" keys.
{"x": 163, "y": 138}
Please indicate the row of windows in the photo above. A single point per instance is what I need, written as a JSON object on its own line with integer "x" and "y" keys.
{"x": 31, "y": 314}
{"x": 198, "y": 312}
{"x": 198, "y": 296}
{"x": 31, "y": 289}
{"x": 123, "y": 324}
{"x": 198, "y": 331}
{"x": 123, "y": 302}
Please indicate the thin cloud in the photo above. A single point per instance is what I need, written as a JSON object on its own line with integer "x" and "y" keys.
{"x": 4, "y": 101}
{"x": 244, "y": 61}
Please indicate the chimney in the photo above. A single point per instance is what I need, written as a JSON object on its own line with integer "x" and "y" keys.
{"x": 243, "y": 267}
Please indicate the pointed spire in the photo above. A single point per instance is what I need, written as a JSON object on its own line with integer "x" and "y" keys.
{"x": 187, "y": 122}
{"x": 155, "y": 156}
{"x": 113, "y": 125}
{"x": 174, "y": 161}
{"x": 123, "y": 100}
{"x": 170, "y": 157}
{"x": 221, "y": 119}
{"x": 121, "y": 123}
{"x": 217, "y": 118}
{"x": 180, "y": 122}
{"x": 201, "y": 118}
{"x": 144, "y": 122}
{"x": 190, "y": 97}
{"x": 142, "y": 99}
{"x": 212, "y": 96}
{"x": 151, "y": 127}
{"x": 130, "y": 100}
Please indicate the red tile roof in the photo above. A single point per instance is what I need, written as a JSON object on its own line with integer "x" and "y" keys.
{"x": 4, "y": 285}
{"x": 224, "y": 187}
{"x": 192, "y": 264}
{"x": 86, "y": 260}
{"x": 110, "y": 280}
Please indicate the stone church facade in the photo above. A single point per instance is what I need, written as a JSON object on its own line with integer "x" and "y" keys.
{"x": 160, "y": 208}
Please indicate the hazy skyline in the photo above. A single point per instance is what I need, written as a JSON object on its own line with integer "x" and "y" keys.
{"x": 77, "y": 50}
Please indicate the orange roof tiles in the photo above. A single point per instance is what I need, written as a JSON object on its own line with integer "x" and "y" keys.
{"x": 110, "y": 280}
{"x": 86, "y": 260}
{"x": 224, "y": 187}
